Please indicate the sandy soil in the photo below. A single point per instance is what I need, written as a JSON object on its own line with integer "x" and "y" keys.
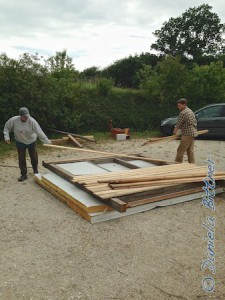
{"x": 50, "y": 252}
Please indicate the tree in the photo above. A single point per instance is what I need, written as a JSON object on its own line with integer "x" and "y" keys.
{"x": 124, "y": 72}
{"x": 196, "y": 33}
{"x": 166, "y": 83}
{"x": 90, "y": 73}
{"x": 61, "y": 65}
{"x": 207, "y": 83}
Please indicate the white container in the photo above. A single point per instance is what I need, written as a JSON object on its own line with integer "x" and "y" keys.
{"x": 121, "y": 137}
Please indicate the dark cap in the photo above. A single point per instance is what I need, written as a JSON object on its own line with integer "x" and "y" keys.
{"x": 23, "y": 111}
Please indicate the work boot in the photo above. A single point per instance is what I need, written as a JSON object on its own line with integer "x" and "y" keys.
{"x": 22, "y": 178}
{"x": 36, "y": 171}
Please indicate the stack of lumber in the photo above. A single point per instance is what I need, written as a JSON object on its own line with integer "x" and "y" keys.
{"x": 112, "y": 185}
{"x": 98, "y": 189}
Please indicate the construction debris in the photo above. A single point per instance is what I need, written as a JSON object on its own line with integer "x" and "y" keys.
{"x": 76, "y": 135}
{"x": 66, "y": 140}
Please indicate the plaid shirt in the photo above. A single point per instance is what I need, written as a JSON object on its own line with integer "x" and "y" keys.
{"x": 187, "y": 122}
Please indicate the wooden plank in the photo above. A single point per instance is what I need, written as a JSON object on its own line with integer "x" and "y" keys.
{"x": 170, "y": 138}
{"x": 161, "y": 139}
{"x": 160, "y": 191}
{"x": 122, "y": 204}
{"x": 59, "y": 171}
{"x": 75, "y": 141}
{"x": 88, "y": 159}
{"x": 160, "y": 182}
{"x": 177, "y": 176}
{"x": 108, "y": 153}
{"x": 132, "y": 173}
{"x": 163, "y": 197}
{"x": 161, "y": 175}
{"x": 117, "y": 193}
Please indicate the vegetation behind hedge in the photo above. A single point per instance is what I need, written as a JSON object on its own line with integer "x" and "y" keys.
{"x": 59, "y": 98}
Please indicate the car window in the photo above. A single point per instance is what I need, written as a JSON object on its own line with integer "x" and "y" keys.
{"x": 210, "y": 112}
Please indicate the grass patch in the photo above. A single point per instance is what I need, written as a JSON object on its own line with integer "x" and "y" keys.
{"x": 5, "y": 149}
{"x": 146, "y": 134}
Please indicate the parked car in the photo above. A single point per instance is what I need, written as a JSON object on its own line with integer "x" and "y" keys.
{"x": 211, "y": 117}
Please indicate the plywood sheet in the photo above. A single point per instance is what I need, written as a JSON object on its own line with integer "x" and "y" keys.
{"x": 82, "y": 168}
{"x": 141, "y": 163}
{"x": 113, "y": 167}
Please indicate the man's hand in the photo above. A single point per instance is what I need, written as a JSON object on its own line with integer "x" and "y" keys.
{"x": 175, "y": 130}
{"x": 7, "y": 141}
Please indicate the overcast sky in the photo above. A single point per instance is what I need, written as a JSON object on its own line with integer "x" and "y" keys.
{"x": 94, "y": 32}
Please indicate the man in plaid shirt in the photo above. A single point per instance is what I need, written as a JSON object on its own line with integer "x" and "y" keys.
{"x": 187, "y": 123}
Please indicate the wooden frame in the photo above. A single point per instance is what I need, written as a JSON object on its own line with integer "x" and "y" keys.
{"x": 115, "y": 203}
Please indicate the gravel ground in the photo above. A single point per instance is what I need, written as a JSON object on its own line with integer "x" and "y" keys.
{"x": 50, "y": 252}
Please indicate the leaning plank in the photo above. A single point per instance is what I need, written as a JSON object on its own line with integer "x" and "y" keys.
{"x": 108, "y": 153}
{"x": 162, "y": 139}
{"x": 75, "y": 141}
{"x": 172, "y": 137}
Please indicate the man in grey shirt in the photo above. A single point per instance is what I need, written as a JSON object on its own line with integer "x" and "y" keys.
{"x": 26, "y": 130}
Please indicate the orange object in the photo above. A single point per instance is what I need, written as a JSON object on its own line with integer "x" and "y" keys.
{"x": 115, "y": 131}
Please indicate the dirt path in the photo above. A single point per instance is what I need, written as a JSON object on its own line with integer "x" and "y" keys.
{"x": 50, "y": 252}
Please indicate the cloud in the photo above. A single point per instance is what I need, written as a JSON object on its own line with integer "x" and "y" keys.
{"x": 94, "y": 32}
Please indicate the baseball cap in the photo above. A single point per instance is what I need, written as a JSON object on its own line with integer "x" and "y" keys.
{"x": 23, "y": 111}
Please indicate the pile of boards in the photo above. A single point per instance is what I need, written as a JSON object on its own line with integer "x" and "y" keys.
{"x": 106, "y": 188}
{"x": 75, "y": 139}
